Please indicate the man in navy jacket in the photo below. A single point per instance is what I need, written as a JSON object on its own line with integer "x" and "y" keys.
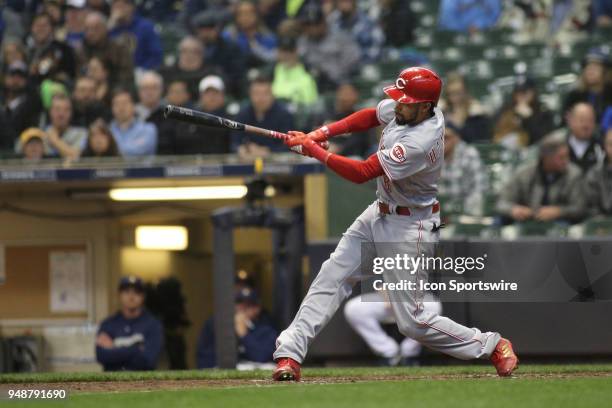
{"x": 132, "y": 338}
{"x": 264, "y": 111}
{"x": 254, "y": 331}
{"x": 137, "y": 31}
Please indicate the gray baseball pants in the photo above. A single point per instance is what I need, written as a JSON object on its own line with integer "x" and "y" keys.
{"x": 335, "y": 280}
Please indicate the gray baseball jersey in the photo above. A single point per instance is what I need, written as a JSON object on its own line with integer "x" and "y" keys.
{"x": 411, "y": 157}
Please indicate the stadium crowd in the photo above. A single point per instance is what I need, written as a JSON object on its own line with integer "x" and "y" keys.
{"x": 89, "y": 78}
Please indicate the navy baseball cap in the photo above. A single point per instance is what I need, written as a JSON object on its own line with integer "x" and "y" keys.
{"x": 131, "y": 282}
{"x": 599, "y": 55}
{"x": 247, "y": 295}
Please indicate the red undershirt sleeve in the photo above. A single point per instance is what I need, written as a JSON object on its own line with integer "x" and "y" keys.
{"x": 359, "y": 121}
{"x": 357, "y": 171}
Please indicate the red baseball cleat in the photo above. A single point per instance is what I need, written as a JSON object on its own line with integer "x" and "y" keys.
{"x": 504, "y": 359}
{"x": 287, "y": 369}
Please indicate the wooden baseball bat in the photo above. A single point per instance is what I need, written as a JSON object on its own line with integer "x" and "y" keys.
{"x": 206, "y": 119}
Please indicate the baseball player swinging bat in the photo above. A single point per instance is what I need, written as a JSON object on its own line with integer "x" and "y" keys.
{"x": 406, "y": 212}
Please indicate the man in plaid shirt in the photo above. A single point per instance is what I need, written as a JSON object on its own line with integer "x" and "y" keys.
{"x": 464, "y": 178}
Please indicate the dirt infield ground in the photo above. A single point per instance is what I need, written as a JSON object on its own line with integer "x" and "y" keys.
{"x": 180, "y": 384}
{"x": 470, "y": 386}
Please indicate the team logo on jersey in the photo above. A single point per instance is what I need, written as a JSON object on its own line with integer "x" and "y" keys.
{"x": 398, "y": 153}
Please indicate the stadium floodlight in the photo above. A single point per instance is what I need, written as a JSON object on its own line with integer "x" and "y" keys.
{"x": 178, "y": 193}
{"x": 161, "y": 237}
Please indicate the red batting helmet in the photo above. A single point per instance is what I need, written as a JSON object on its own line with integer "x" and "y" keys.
{"x": 414, "y": 85}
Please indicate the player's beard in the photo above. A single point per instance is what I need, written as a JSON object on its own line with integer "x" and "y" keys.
{"x": 400, "y": 120}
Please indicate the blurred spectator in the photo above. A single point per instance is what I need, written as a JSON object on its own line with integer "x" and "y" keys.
{"x": 177, "y": 138}
{"x": 98, "y": 70}
{"x": 463, "y": 181}
{"x": 166, "y": 301}
{"x": 62, "y": 138}
{"x": 331, "y": 57}
{"x": 13, "y": 19}
{"x": 220, "y": 52}
{"x": 150, "y": 91}
{"x": 606, "y": 121}
{"x": 12, "y": 51}
{"x": 527, "y": 19}
{"x": 190, "y": 66}
{"x": 272, "y": 12}
{"x": 265, "y": 112}
{"x": 178, "y": 94}
{"x": 290, "y": 28}
{"x": 21, "y": 104}
{"x": 54, "y": 9}
{"x": 546, "y": 190}
{"x": 598, "y": 182}
{"x": 464, "y": 111}
{"x": 253, "y": 38}
{"x": 344, "y": 104}
{"x": 193, "y": 8}
{"x": 49, "y": 58}
{"x": 524, "y": 120}
{"x": 159, "y": 10}
{"x": 291, "y": 80}
{"x": 138, "y": 32}
{"x": 101, "y": 6}
{"x": 73, "y": 30}
{"x": 86, "y": 107}
{"x": 398, "y": 22}
{"x": 568, "y": 20}
{"x": 602, "y": 13}
{"x": 97, "y": 43}
{"x": 132, "y": 338}
{"x": 581, "y": 135}
{"x": 100, "y": 141}
{"x": 468, "y": 15}
{"x": 594, "y": 85}
{"x": 212, "y": 100}
{"x": 254, "y": 329}
{"x": 133, "y": 136}
{"x": 8, "y": 136}
{"x": 367, "y": 34}
{"x": 32, "y": 144}
{"x": 151, "y": 109}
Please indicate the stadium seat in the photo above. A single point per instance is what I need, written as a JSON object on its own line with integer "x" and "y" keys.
{"x": 564, "y": 65}
{"x": 499, "y": 36}
{"x": 489, "y": 207}
{"x": 491, "y": 153}
{"x": 472, "y": 230}
{"x": 540, "y": 229}
{"x": 598, "y": 227}
{"x": 450, "y": 207}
